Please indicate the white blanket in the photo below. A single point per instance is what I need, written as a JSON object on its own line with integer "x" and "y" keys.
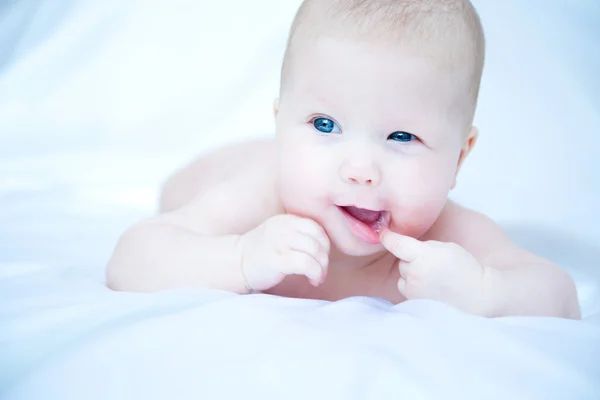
{"x": 101, "y": 100}
{"x": 67, "y": 337}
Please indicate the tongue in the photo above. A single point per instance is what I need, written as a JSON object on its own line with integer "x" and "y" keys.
{"x": 367, "y": 216}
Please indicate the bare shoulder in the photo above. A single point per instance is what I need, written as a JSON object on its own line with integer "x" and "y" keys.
{"x": 212, "y": 169}
{"x": 472, "y": 230}
{"x": 228, "y": 191}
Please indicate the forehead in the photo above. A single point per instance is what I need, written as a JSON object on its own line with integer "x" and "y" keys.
{"x": 369, "y": 76}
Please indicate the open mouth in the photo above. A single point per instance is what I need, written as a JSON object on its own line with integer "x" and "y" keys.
{"x": 364, "y": 223}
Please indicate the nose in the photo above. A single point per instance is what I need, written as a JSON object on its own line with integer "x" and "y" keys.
{"x": 362, "y": 172}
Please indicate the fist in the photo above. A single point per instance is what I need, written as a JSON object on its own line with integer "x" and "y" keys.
{"x": 438, "y": 271}
{"x": 284, "y": 245}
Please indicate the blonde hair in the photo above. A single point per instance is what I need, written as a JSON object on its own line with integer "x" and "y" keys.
{"x": 449, "y": 31}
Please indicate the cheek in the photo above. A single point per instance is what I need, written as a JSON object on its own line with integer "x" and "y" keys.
{"x": 302, "y": 176}
{"x": 415, "y": 219}
{"x": 420, "y": 195}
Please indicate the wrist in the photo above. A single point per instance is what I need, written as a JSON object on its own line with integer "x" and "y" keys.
{"x": 242, "y": 278}
{"x": 489, "y": 303}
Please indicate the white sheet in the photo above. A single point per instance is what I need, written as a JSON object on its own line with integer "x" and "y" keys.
{"x": 99, "y": 101}
{"x": 70, "y": 338}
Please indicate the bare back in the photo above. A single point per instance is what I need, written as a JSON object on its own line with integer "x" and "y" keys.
{"x": 231, "y": 190}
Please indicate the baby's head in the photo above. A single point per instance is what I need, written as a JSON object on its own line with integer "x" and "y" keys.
{"x": 375, "y": 113}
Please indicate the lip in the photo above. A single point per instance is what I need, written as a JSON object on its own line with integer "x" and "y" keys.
{"x": 370, "y": 207}
{"x": 365, "y": 232}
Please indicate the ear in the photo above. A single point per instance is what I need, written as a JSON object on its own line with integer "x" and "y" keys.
{"x": 466, "y": 149}
{"x": 276, "y": 107}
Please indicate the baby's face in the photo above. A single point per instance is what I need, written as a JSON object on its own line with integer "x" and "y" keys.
{"x": 367, "y": 136}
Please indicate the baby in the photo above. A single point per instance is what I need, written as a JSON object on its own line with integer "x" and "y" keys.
{"x": 373, "y": 123}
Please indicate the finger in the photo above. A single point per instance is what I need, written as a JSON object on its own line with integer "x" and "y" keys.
{"x": 404, "y": 268}
{"x": 311, "y": 246}
{"x": 299, "y": 263}
{"x": 304, "y": 243}
{"x": 402, "y": 287}
{"x": 435, "y": 244}
{"x": 404, "y": 247}
{"x": 313, "y": 229}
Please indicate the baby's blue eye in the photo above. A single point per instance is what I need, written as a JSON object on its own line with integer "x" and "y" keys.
{"x": 325, "y": 125}
{"x": 403, "y": 137}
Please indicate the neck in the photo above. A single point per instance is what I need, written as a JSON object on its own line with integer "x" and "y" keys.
{"x": 351, "y": 262}
{"x": 347, "y": 276}
{"x": 341, "y": 263}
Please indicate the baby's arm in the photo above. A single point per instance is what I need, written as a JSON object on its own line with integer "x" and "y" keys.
{"x": 176, "y": 250}
{"x": 205, "y": 209}
{"x": 188, "y": 248}
{"x": 518, "y": 282}
{"x": 231, "y": 236}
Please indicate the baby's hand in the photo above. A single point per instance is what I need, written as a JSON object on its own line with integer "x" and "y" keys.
{"x": 439, "y": 271}
{"x": 284, "y": 245}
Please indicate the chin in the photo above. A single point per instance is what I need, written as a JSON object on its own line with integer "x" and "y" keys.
{"x": 355, "y": 247}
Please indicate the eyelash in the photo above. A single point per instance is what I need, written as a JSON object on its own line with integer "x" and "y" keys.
{"x": 314, "y": 120}
{"x": 411, "y": 136}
